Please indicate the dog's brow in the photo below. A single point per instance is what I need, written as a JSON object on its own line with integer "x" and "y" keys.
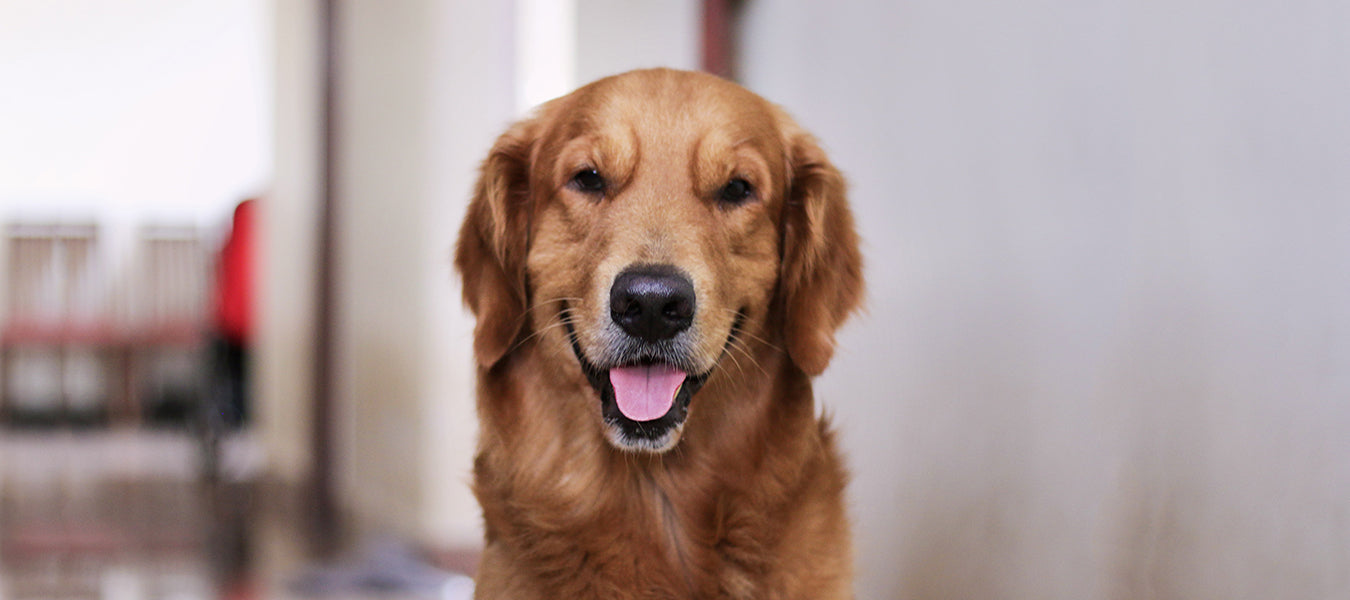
{"x": 635, "y": 141}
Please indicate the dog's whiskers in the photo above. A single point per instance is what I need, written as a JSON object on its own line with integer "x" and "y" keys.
{"x": 537, "y": 333}
{"x": 737, "y": 347}
{"x": 545, "y": 303}
{"x": 745, "y": 332}
{"x": 565, "y": 318}
{"x": 739, "y": 368}
{"x": 741, "y": 347}
{"x": 529, "y": 310}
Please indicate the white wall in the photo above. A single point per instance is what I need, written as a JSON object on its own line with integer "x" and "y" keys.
{"x": 289, "y": 241}
{"x": 134, "y": 111}
{"x": 563, "y": 44}
{"x": 1108, "y": 347}
{"x": 425, "y": 88}
{"x": 614, "y": 36}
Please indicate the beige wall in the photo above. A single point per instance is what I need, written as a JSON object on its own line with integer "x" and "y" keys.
{"x": 289, "y": 224}
{"x": 1108, "y": 341}
{"x": 614, "y": 36}
{"x": 425, "y": 88}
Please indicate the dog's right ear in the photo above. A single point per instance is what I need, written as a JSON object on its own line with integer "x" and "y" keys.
{"x": 493, "y": 240}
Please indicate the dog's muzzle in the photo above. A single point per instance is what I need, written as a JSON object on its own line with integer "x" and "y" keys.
{"x": 647, "y": 382}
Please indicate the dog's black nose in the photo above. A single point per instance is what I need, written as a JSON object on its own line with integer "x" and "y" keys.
{"x": 652, "y": 302}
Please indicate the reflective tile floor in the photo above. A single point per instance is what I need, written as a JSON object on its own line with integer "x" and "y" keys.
{"x": 126, "y": 516}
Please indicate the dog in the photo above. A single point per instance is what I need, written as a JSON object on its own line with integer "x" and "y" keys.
{"x": 658, "y": 263}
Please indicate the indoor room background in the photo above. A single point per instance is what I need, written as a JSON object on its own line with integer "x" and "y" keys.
{"x": 1106, "y": 346}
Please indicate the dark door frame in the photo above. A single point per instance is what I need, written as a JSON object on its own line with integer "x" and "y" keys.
{"x": 324, "y": 492}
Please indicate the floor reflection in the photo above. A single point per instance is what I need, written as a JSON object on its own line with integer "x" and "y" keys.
{"x": 126, "y": 516}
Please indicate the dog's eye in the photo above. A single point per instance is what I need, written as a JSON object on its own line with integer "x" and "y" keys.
{"x": 736, "y": 191}
{"x": 588, "y": 180}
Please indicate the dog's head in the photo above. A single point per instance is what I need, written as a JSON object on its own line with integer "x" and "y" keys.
{"x": 648, "y": 225}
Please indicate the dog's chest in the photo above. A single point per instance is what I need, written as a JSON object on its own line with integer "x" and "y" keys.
{"x": 652, "y": 542}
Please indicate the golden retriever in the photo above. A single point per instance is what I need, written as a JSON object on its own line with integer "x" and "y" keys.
{"x": 658, "y": 263}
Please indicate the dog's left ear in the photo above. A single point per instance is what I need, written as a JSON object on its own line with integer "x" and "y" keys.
{"x": 821, "y": 283}
{"x": 493, "y": 240}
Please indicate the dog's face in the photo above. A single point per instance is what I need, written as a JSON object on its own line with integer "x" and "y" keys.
{"x": 648, "y": 223}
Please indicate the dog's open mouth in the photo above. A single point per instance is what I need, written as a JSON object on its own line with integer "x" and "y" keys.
{"x": 645, "y": 401}
{"x": 646, "y": 392}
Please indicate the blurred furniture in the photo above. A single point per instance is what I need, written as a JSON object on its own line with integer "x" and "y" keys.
{"x": 169, "y": 322}
{"x": 89, "y": 339}
{"x": 57, "y": 348}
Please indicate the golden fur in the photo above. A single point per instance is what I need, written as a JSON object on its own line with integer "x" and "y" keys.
{"x": 748, "y": 503}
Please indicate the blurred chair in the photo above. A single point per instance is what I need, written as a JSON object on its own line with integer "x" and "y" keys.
{"x": 82, "y": 346}
{"x": 57, "y": 346}
{"x": 169, "y": 323}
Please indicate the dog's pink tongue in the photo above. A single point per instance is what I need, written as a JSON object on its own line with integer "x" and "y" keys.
{"x": 645, "y": 393}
